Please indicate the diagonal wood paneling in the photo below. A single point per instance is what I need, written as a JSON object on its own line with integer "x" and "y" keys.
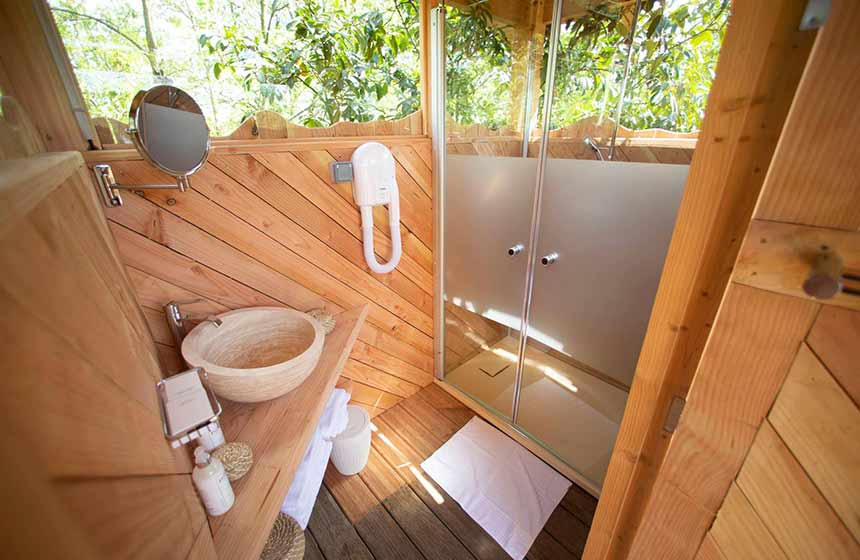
{"x": 796, "y": 494}
{"x": 739, "y": 533}
{"x": 821, "y": 426}
{"x": 789, "y": 504}
{"x": 268, "y": 227}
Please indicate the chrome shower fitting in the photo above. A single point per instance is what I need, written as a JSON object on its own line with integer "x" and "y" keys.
{"x": 589, "y": 141}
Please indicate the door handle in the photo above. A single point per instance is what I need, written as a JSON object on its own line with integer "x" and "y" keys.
{"x": 549, "y": 258}
{"x": 515, "y": 250}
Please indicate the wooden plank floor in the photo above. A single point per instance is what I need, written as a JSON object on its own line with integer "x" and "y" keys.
{"x": 392, "y": 510}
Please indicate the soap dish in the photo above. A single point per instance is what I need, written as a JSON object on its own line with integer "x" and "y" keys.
{"x": 237, "y": 459}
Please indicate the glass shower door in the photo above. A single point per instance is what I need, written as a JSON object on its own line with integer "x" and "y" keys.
{"x": 486, "y": 231}
{"x": 601, "y": 235}
{"x": 604, "y": 231}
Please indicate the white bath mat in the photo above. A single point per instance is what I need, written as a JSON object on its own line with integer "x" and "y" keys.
{"x": 501, "y": 485}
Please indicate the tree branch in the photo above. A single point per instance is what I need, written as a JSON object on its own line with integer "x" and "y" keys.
{"x": 405, "y": 27}
{"x": 149, "y": 56}
{"x": 106, "y": 23}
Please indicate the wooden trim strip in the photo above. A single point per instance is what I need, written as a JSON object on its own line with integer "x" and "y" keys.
{"x": 255, "y": 146}
{"x": 778, "y": 257}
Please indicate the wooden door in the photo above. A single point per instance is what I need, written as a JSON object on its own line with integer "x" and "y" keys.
{"x": 765, "y": 461}
{"x": 87, "y": 472}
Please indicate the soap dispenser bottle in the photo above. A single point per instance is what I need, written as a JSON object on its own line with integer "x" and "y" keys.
{"x": 212, "y": 483}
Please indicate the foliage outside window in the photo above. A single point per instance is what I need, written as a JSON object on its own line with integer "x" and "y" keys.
{"x": 316, "y": 62}
{"x": 479, "y": 61}
{"x": 675, "y": 51}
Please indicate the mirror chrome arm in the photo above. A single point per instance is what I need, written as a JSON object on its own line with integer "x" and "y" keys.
{"x": 109, "y": 188}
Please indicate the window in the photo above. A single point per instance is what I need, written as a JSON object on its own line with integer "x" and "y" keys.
{"x": 675, "y": 51}
{"x": 674, "y": 54}
{"x": 315, "y": 62}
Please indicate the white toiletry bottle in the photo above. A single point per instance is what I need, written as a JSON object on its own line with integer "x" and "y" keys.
{"x": 212, "y": 483}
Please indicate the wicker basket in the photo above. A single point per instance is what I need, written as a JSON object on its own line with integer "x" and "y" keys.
{"x": 237, "y": 459}
{"x": 257, "y": 354}
{"x": 286, "y": 540}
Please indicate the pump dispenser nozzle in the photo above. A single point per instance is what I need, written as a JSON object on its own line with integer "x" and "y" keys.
{"x": 201, "y": 457}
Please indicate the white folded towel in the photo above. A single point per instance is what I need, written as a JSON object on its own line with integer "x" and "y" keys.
{"x": 300, "y": 500}
{"x": 335, "y": 416}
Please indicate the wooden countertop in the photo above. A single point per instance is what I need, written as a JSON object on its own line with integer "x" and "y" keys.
{"x": 278, "y": 432}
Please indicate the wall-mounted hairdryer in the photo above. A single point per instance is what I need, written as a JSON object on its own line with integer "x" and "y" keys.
{"x": 374, "y": 184}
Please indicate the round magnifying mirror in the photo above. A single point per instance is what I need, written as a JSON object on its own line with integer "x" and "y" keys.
{"x": 169, "y": 130}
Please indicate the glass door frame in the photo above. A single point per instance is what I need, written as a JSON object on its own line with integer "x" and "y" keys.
{"x": 537, "y": 198}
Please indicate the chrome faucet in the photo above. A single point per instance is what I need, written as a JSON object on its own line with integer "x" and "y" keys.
{"x": 176, "y": 321}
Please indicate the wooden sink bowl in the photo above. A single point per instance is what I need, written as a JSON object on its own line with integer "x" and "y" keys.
{"x": 257, "y": 354}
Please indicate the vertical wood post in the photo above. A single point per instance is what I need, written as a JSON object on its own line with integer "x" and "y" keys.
{"x": 424, "y": 7}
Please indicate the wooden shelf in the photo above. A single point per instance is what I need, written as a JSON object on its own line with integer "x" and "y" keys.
{"x": 278, "y": 432}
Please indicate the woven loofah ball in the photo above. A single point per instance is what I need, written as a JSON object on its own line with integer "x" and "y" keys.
{"x": 237, "y": 459}
{"x": 286, "y": 540}
{"x": 325, "y": 319}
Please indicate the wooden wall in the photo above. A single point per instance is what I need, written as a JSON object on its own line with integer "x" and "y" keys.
{"x": 761, "y": 62}
{"x": 268, "y": 124}
{"x": 764, "y": 462}
{"x": 797, "y": 493}
{"x": 79, "y": 407}
{"x": 264, "y": 225}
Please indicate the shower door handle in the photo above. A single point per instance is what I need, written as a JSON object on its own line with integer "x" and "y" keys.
{"x": 549, "y": 259}
{"x": 515, "y": 250}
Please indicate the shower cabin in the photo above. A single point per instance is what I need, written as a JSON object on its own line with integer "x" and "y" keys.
{"x": 550, "y": 237}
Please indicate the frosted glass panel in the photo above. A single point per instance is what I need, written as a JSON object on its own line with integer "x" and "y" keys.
{"x": 487, "y": 211}
{"x": 610, "y": 224}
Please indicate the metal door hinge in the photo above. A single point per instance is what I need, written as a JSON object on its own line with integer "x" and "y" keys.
{"x": 674, "y": 414}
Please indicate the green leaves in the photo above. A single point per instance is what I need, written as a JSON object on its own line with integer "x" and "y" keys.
{"x": 479, "y": 55}
{"x": 675, "y": 50}
{"x": 318, "y": 61}
{"x": 357, "y": 64}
